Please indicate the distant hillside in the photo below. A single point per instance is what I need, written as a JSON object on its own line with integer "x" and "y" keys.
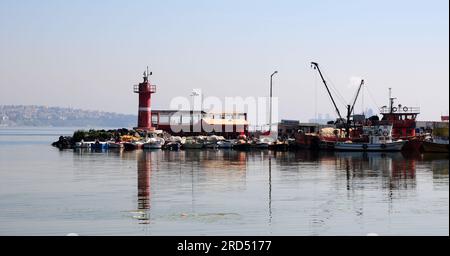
{"x": 20, "y": 115}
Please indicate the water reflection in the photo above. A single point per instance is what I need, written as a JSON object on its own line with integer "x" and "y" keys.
{"x": 144, "y": 170}
{"x": 394, "y": 171}
{"x": 194, "y": 185}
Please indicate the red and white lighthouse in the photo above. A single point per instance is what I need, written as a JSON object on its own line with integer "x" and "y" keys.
{"x": 145, "y": 90}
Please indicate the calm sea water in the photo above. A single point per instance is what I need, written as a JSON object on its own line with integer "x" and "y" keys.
{"x": 45, "y": 191}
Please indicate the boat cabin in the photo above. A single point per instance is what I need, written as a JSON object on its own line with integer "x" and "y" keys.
{"x": 402, "y": 118}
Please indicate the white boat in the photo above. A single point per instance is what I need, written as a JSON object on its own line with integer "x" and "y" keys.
{"x": 387, "y": 146}
{"x": 380, "y": 139}
{"x": 154, "y": 143}
{"x": 83, "y": 144}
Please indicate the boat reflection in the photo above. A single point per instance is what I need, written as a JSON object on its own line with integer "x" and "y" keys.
{"x": 394, "y": 170}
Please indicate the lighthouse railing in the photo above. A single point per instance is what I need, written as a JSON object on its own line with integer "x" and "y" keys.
{"x": 151, "y": 88}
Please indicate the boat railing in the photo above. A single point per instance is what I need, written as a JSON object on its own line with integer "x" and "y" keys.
{"x": 400, "y": 110}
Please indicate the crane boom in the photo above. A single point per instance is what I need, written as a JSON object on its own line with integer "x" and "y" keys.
{"x": 356, "y": 97}
{"x": 316, "y": 66}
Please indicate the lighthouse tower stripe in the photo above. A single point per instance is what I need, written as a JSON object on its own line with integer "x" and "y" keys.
{"x": 148, "y": 109}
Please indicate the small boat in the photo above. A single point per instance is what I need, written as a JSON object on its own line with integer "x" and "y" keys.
{"x": 435, "y": 145}
{"x": 99, "y": 145}
{"x": 154, "y": 143}
{"x": 195, "y": 145}
{"x": 192, "y": 143}
{"x": 225, "y": 144}
{"x": 115, "y": 145}
{"x": 134, "y": 145}
{"x": 173, "y": 145}
{"x": 242, "y": 145}
{"x": 279, "y": 146}
{"x": 380, "y": 139}
{"x": 211, "y": 145}
{"x": 83, "y": 144}
{"x": 259, "y": 145}
{"x": 386, "y": 146}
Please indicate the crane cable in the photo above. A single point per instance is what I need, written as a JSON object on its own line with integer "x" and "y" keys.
{"x": 315, "y": 99}
{"x": 336, "y": 92}
{"x": 373, "y": 99}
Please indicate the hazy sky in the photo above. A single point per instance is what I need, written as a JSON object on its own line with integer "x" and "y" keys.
{"x": 88, "y": 54}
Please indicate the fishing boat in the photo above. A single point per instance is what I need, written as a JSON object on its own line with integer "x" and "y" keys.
{"x": 380, "y": 139}
{"x": 306, "y": 140}
{"x": 154, "y": 143}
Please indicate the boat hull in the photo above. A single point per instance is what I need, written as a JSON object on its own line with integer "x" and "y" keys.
{"x": 173, "y": 146}
{"x": 431, "y": 147}
{"x": 113, "y": 145}
{"x": 392, "y": 146}
{"x": 156, "y": 145}
{"x": 99, "y": 146}
{"x": 242, "y": 146}
{"x": 259, "y": 146}
{"x": 193, "y": 146}
{"x": 132, "y": 146}
{"x": 279, "y": 147}
{"x": 224, "y": 144}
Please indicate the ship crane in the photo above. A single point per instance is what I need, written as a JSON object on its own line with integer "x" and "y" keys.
{"x": 350, "y": 108}
{"x": 316, "y": 66}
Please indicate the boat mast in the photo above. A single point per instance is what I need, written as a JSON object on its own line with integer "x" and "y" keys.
{"x": 391, "y": 101}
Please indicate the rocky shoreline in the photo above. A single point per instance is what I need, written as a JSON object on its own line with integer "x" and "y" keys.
{"x": 68, "y": 142}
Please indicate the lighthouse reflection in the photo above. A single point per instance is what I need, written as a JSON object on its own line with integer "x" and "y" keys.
{"x": 144, "y": 170}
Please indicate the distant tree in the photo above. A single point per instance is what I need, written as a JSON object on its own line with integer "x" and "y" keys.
{"x": 79, "y": 135}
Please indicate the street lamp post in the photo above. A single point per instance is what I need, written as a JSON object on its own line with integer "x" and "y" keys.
{"x": 270, "y": 104}
{"x": 193, "y": 94}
